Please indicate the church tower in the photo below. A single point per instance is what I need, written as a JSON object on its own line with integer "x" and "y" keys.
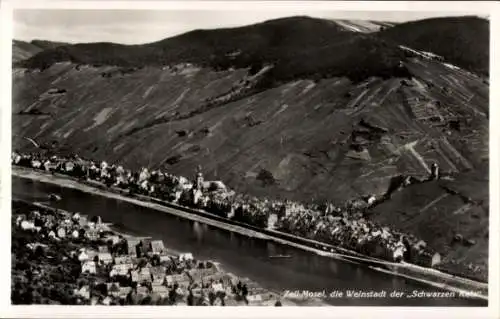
{"x": 199, "y": 179}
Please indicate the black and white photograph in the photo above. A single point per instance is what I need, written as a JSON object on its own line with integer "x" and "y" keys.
{"x": 228, "y": 157}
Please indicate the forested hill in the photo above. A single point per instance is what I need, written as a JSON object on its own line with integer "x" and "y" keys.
{"x": 463, "y": 41}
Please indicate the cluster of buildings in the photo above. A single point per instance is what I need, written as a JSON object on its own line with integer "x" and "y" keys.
{"x": 122, "y": 270}
{"x": 344, "y": 227}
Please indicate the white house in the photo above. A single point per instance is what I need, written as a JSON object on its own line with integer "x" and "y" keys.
{"x": 83, "y": 256}
{"x": 61, "y": 232}
{"x": 145, "y": 275}
{"x": 186, "y": 257}
{"x": 254, "y": 298}
{"x": 157, "y": 247}
{"x": 89, "y": 266}
{"x": 27, "y": 225}
{"x": 217, "y": 287}
{"x": 180, "y": 279}
{"x": 123, "y": 260}
{"x": 121, "y": 269}
{"x": 103, "y": 249}
{"x": 160, "y": 290}
{"x": 52, "y": 235}
{"x": 106, "y": 301}
{"x": 83, "y": 292}
{"x": 105, "y": 258}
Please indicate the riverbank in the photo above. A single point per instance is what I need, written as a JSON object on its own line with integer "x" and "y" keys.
{"x": 423, "y": 275}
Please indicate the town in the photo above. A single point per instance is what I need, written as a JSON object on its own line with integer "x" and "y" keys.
{"x": 72, "y": 259}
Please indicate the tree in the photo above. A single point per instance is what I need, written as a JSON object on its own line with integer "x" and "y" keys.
{"x": 266, "y": 177}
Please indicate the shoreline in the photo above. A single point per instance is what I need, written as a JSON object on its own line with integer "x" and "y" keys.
{"x": 428, "y": 276}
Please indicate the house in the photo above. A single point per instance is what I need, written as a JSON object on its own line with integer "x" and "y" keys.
{"x": 132, "y": 244}
{"x": 113, "y": 288}
{"x": 94, "y": 301}
{"x": 436, "y": 259}
{"x": 123, "y": 260}
{"x": 34, "y": 246}
{"x": 89, "y": 266}
{"x": 83, "y": 292}
{"x": 92, "y": 253}
{"x": 52, "y": 235}
{"x": 124, "y": 291}
{"x": 83, "y": 221}
{"x": 186, "y": 257}
{"x": 75, "y": 234}
{"x": 217, "y": 287}
{"x": 114, "y": 238}
{"x": 429, "y": 259}
{"x": 134, "y": 276}
{"x": 61, "y": 232}
{"x": 181, "y": 279}
{"x": 103, "y": 249}
{"x": 157, "y": 247}
{"x": 106, "y": 301}
{"x": 197, "y": 292}
{"x": 145, "y": 275}
{"x": 142, "y": 291}
{"x": 92, "y": 234}
{"x": 202, "y": 272}
{"x": 214, "y": 277}
{"x": 105, "y": 258}
{"x": 120, "y": 270}
{"x": 83, "y": 256}
{"x": 158, "y": 273}
{"x": 146, "y": 245}
{"x": 254, "y": 298}
{"x": 160, "y": 290}
{"x": 27, "y": 225}
{"x": 226, "y": 279}
{"x": 165, "y": 258}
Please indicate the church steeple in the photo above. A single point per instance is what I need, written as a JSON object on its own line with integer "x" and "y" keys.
{"x": 199, "y": 178}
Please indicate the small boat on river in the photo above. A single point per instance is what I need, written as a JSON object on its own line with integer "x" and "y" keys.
{"x": 55, "y": 197}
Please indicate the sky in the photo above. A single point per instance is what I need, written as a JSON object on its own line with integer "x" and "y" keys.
{"x": 143, "y": 26}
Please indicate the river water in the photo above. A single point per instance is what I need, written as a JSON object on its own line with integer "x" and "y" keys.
{"x": 241, "y": 255}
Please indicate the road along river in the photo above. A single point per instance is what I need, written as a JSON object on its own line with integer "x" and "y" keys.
{"x": 297, "y": 273}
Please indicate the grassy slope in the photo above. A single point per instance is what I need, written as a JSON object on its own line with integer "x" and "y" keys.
{"x": 463, "y": 41}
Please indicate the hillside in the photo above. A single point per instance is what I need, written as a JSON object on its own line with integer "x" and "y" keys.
{"x": 347, "y": 117}
{"x": 462, "y": 41}
{"x": 287, "y": 44}
{"x": 22, "y": 50}
{"x": 310, "y": 135}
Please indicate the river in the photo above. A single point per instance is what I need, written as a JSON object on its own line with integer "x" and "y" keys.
{"x": 241, "y": 255}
